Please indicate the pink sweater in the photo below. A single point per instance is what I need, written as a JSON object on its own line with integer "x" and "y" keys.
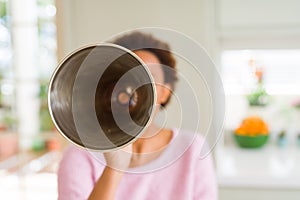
{"x": 185, "y": 177}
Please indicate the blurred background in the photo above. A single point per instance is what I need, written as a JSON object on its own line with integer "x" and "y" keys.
{"x": 254, "y": 44}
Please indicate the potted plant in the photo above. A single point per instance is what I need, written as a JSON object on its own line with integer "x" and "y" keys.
{"x": 9, "y": 140}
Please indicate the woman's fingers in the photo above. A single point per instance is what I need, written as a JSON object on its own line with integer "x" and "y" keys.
{"x": 120, "y": 159}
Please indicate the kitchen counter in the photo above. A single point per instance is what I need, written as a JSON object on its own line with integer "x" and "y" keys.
{"x": 269, "y": 167}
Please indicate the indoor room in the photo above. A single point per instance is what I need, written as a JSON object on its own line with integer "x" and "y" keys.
{"x": 237, "y": 88}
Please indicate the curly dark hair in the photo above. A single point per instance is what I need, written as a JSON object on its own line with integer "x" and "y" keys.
{"x": 142, "y": 41}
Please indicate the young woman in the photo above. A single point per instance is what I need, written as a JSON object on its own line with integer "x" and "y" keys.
{"x": 82, "y": 176}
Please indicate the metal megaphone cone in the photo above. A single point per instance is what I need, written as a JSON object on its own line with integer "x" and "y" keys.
{"x": 101, "y": 97}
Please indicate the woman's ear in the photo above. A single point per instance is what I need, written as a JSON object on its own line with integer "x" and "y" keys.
{"x": 165, "y": 93}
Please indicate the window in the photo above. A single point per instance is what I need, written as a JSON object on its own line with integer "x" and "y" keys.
{"x": 44, "y": 62}
{"x": 280, "y": 68}
{"x": 7, "y": 113}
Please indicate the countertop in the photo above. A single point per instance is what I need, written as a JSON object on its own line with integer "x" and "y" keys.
{"x": 270, "y": 167}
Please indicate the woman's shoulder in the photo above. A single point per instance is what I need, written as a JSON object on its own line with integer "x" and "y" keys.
{"x": 72, "y": 150}
{"x": 77, "y": 173}
{"x": 74, "y": 155}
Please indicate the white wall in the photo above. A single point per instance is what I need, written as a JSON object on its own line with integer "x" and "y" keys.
{"x": 258, "y": 23}
{"x": 93, "y": 20}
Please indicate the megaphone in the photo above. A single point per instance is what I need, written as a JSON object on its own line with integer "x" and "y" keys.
{"x": 101, "y": 97}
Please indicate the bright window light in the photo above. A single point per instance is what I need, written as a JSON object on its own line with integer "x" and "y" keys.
{"x": 280, "y": 68}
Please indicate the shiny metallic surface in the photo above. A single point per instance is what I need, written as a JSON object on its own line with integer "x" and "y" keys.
{"x": 101, "y": 97}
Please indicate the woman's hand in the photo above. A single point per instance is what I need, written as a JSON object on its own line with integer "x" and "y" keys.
{"x": 119, "y": 159}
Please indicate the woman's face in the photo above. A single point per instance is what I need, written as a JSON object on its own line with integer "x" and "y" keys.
{"x": 162, "y": 89}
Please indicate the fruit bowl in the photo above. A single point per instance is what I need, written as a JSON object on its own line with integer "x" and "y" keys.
{"x": 251, "y": 141}
{"x": 253, "y": 132}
